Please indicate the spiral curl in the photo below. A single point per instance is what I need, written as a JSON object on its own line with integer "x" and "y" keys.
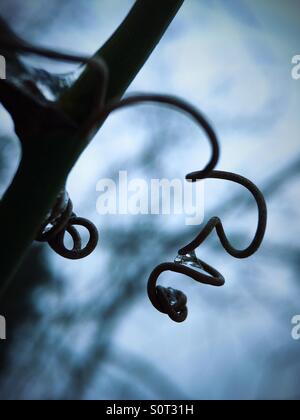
{"x": 166, "y": 300}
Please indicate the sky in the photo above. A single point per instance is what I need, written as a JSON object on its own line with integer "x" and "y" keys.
{"x": 232, "y": 59}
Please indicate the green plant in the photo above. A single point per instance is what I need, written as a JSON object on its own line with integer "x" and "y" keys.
{"x": 51, "y": 134}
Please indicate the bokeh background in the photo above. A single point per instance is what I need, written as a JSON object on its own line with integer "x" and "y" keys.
{"x": 86, "y": 330}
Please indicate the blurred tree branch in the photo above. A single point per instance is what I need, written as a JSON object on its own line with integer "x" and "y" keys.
{"x": 50, "y": 145}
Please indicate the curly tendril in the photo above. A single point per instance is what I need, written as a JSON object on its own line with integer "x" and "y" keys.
{"x": 173, "y": 303}
{"x": 62, "y": 220}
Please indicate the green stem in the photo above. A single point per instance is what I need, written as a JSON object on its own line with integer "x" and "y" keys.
{"x": 124, "y": 53}
{"x": 45, "y": 167}
{"x": 24, "y": 207}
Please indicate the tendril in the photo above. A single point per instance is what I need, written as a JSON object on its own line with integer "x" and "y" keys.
{"x": 63, "y": 220}
{"x": 171, "y": 302}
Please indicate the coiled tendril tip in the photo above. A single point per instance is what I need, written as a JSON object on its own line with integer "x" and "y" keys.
{"x": 62, "y": 219}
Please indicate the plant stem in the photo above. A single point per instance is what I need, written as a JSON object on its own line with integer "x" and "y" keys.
{"x": 44, "y": 168}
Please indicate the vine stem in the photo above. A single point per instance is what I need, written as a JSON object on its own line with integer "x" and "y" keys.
{"x": 52, "y": 153}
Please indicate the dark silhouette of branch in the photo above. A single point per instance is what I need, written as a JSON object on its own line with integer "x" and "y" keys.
{"x": 36, "y": 184}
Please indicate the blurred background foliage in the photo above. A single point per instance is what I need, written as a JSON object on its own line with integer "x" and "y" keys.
{"x": 85, "y": 330}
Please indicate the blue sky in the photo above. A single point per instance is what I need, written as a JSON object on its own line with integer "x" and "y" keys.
{"x": 233, "y": 60}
